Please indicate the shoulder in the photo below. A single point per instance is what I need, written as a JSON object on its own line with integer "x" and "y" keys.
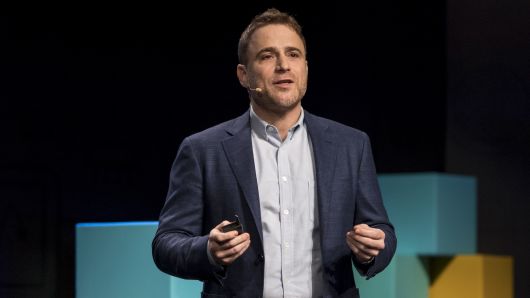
{"x": 339, "y": 130}
{"x": 219, "y": 132}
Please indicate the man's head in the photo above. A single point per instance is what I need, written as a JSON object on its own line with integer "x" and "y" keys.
{"x": 269, "y": 17}
{"x": 273, "y": 65}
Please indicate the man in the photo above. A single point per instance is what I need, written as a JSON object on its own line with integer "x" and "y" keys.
{"x": 304, "y": 188}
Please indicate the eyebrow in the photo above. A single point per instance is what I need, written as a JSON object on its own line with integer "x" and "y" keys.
{"x": 275, "y": 50}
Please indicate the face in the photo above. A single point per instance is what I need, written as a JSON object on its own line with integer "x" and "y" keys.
{"x": 277, "y": 65}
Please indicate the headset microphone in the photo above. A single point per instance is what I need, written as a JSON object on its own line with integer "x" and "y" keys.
{"x": 259, "y": 90}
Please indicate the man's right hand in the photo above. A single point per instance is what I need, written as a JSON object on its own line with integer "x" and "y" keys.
{"x": 225, "y": 248}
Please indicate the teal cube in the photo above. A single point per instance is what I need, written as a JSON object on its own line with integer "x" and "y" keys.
{"x": 405, "y": 277}
{"x": 433, "y": 213}
{"x": 114, "y": 260}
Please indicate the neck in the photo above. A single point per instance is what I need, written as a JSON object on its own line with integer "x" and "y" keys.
{"x": 282, "y": 120}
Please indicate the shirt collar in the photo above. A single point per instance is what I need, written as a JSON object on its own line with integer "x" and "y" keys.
{"x": 266, "y": 131}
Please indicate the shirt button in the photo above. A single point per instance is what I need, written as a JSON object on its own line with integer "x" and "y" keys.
{"x": 284, "y": 179}
{"x": 287, "y": 244}
{"x": 286, "y": 212}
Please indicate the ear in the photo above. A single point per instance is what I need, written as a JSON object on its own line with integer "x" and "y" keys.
{"x": 242, "y": 75}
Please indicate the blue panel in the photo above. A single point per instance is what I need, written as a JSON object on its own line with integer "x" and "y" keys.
{"x": 405, "y": 277}
{"x": 114, "y": 260}
{"x": 433, "y": 213}
{"x": 118, "y": 224}
{"x": 457, "y": 219}
{"x": 410, "y": 203}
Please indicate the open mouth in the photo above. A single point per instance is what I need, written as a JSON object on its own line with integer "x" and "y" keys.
{"x": 285, "y": 82}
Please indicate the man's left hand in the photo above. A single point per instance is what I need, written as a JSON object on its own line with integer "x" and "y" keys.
{"x": 365, "y": 242}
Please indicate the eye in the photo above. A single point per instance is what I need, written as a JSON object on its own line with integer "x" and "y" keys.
{"x": 266, "y": 56}
{"x": 293, "y": 54}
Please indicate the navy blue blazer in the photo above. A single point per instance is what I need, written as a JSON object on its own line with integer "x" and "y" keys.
{"x": 213, "y": 178}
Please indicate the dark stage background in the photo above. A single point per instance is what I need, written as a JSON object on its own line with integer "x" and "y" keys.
{"x": 95, "y": 101}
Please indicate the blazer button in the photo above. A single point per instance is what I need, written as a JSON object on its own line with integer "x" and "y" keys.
{"x": 260, "y": 259}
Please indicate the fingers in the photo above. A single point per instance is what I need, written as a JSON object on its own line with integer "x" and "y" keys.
{"x": 365, "y": 242}
{"x": 225, "y": 248}
{"x": 360, "y": 254}
{"x": 226, "y": 256}
{"x": 227, "y": 245}
{"x": 230, "y": 259}
{"x": 218, "y": 236}
{"x": 369, "y": 232}
{"x": 361, "y": 250}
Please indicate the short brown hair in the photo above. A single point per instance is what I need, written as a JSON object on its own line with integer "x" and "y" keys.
{"x": 270, "y": 16}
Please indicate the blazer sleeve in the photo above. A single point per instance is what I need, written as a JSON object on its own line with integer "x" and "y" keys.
{"x": 371, "y": 211}
{"x": 179, "y": 248}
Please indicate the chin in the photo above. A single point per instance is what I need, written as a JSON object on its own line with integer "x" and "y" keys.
{"x": 288, "y": 103}
{"x": 279, "y": 104}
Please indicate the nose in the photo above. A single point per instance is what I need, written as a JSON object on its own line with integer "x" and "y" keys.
{"x": 282, "y": 64}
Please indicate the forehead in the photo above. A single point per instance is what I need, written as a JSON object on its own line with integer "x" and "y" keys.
{"x": 275, "y": 36}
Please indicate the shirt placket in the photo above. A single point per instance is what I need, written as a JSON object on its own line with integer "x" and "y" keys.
{"x": 286, "y": 216}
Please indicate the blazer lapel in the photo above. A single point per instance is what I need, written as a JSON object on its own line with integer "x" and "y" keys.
{"x": 324, "y": 152}
{"x": 238, "y": 150}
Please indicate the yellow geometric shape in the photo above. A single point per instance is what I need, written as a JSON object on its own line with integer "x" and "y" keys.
{"x": 472, "y": 276}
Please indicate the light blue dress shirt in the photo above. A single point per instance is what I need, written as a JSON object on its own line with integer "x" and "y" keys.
{"x": 285, "y": 172}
